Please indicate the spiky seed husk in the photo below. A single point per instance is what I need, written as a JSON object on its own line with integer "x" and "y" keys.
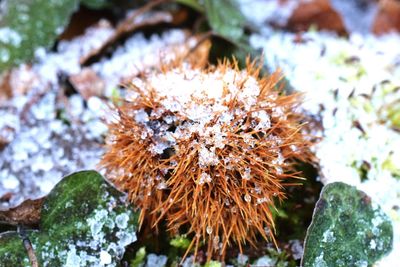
{"x": 210, "y": 149}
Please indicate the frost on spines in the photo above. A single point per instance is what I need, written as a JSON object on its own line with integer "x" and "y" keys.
{"x": 208, "y": 150}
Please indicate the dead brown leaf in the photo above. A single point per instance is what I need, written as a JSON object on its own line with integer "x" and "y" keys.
{"x": 28, "y": 213}
{"x": 387, "y": 18}
{"x": 195, "y": 51}
{"x": 22, "y": 79}
{"x": 316, "y": 12}
{"x": 6, "y": 197}
{"x": 87, "y": 83}
{"x": 132, "y": 22}
{"x": 16, "y": 81}
{"x": 5, "y": 88}
{"x": 198, "y": 55}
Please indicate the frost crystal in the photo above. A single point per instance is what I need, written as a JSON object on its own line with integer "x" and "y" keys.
{"x": 105, "y": 258}
{"x": 213, "y": 135}
{"x": 205, "y": 178}
{"x": 39, "y": 136}
{"x": 154, "y": 260}
{"x": 72, "y": 258}
{"x": 9, "y": 36}
{"x": 350, "y": 87}
{"x": 122, "y": 220}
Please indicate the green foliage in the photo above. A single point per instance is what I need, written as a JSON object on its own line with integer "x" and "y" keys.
{"x": 26, "y": 25}
{"x": 347, "y": 229}
{"x": 195, "y": 4}
{"x": 181, "y": 242}
{"x": 213, "y": 264}
{"x": 225, "y": 19}
{"x": 140, "y": 258}
{"x": 83, "y": 220}
{"x": 97, "y": 3}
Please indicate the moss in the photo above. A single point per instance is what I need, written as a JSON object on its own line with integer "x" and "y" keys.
{"x": 347, "y": 229}
{"x": 12, "y": 250}
{"x": 26, "y": 25}
{"x": 82, "y": 217}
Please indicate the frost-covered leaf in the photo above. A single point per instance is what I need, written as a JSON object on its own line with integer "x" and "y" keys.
{"x": 132, "y": 22}
{"x": 84, "y": 222}
{"x": 26, "y": 25}
{"x": 347, "y": 229}
{"x": 12, "y": 251}
{"x": 225, "y": 19}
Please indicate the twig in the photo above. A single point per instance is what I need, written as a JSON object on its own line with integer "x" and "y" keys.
{"x": 28, "y": 246}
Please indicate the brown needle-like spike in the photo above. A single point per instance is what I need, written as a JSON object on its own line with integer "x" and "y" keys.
{"x": 207, "y": 150}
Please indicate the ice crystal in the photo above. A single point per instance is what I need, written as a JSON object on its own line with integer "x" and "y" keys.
{"x": 210, "y": 136}
{"x": 39, "y": 128}
{"x": 350, "y": 87}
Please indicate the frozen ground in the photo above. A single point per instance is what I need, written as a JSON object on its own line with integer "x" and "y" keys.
{"x": 52, "y": 134}
{"x": 352, "y": 87}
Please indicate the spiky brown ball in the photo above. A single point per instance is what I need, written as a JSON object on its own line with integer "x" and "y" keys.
{"x": 208, "y": 149}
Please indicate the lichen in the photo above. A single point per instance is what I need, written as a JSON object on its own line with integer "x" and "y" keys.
{"x": 93, "y": 230}
{"x": 27, "y": 25}
{"x": 347, "y": 229}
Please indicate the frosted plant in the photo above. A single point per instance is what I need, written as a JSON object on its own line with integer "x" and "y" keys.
{"x": 208, "y": 149}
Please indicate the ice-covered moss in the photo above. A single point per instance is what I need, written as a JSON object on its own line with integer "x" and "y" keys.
{"x": 347, "y": 229}
{"x": 84, "y": 222}
{"x": 352, "y": 89}
{"x": 12, "y": 250}
{"x": 26, "y": 25}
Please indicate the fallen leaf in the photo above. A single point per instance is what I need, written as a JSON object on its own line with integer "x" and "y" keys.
{"x": 198, "y": 55}
{"x": 387, "y": 18}
{"x": 5, "y": 88}
{"x": 17, "y": 81}
{"x": 6, "y": 197}
{"x": 87, "y": 83}
{"x": 132, "y": 22}
{"x": 319, "y": 13}
{"x": 27, "y": 213}
{"x": 82, "y": 215}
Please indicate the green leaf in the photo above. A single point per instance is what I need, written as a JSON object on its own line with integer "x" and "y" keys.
{"x": 26, "y": 25}
{"x": 97, "y": 4}
{"x": 84, "y": 222}
{"x": 139, "y": 259}
{"x": 180, "y": 242}
{"x": 225, "y": 19}
{"x": 193, "y": 4}
{"x": 213, "y": 264}
{"x": 12, "y": 251}
{"x": 346, "y": 229}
